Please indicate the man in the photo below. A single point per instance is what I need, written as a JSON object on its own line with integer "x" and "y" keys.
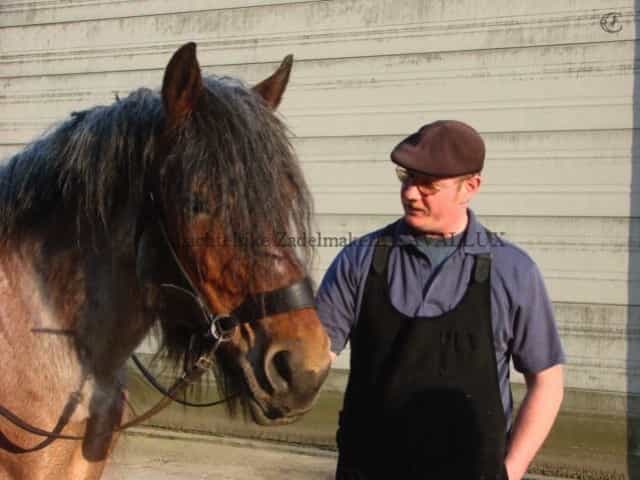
{"x": 435, "y": 306}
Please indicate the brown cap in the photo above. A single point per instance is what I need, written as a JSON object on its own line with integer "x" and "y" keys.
{"x": 446, "y": 148}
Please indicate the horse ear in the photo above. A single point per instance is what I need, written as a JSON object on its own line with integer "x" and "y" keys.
{"x": 272, "y": 88}
{"x": 182, "y": 84}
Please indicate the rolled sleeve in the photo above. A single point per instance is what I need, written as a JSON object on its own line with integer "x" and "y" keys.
{"x": 536, "y": 343}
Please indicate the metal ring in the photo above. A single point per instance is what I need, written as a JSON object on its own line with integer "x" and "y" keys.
{"x": 219, "y": 333}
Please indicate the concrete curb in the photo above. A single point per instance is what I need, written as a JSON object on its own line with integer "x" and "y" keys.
{"x": 233, "y": 441}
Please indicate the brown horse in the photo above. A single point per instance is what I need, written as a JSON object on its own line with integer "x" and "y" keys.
{"x": 194, "y": 186}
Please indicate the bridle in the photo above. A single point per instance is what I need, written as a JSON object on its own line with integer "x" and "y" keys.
{"x": 219, "y": 327}
{"x": 216, "y": 329}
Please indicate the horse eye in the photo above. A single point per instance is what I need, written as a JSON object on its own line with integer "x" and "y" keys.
{"x": 197, "y": 206}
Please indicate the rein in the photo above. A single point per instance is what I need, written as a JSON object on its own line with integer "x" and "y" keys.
{"x": 218, "y": 328}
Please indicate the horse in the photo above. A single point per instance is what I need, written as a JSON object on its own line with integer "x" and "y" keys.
{"x": 162, "y": 212}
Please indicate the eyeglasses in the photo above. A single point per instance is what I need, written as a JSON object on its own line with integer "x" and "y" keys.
{"x": 425, "y": 184}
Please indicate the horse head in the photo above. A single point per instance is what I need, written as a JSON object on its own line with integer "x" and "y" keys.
{"x": 229, "y": 198}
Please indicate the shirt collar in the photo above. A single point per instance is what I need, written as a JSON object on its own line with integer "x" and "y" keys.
{"x": 477, "y": 239}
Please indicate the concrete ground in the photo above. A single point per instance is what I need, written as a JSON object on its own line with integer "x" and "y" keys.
{"x": 154, "y": 454}
{"x": 151, "y": 454}
{"x": 582, "y": 446}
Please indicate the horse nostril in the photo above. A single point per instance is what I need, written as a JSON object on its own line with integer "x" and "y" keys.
{"x": 282, "y": 364}
{"x": 279, "y": 371}
{"x": 289, "y": 378}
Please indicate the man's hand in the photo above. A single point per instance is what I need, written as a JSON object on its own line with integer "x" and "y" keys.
{"x": 535, "y": 419}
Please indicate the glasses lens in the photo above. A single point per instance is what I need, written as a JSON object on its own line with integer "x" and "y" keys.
{"x": 427, "y": 188}
{"x": 424, "y": 185}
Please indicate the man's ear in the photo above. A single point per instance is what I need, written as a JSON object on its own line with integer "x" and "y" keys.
{"x": 469, "y": 188}
{"x": 474, "y": 183}
{"x": 477, "y": 181}
{"x": 272, "y": 88}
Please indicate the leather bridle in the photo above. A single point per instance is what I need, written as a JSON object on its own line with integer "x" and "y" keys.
{"x": 220, "y": 326}
{"x": 217, "y": 328}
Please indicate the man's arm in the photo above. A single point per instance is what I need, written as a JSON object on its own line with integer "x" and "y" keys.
{"x": 337, "y": 299}
{"x": 534, "y": 420}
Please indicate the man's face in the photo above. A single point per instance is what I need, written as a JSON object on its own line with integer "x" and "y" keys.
{"x": 435, "y": 205}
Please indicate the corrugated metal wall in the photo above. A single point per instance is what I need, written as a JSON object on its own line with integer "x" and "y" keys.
{"x": 549, "y": 84}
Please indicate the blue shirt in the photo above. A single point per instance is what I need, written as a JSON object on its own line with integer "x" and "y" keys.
{"x": 524, "y": 327}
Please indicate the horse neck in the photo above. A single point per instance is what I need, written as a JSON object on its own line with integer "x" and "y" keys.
{"x": 88, "y": 293}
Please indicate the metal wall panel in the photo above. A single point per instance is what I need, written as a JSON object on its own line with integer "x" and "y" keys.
{"x": 550, "y": 89}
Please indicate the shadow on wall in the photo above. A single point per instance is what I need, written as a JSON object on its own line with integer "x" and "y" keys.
{"x": 633, "y": 320}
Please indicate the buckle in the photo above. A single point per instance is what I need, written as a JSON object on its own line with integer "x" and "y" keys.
{"x": 204, "y": 363}
{"x": 222, "y": 327}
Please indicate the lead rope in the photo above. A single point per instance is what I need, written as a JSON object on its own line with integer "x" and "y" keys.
{"x": 202, "y": 365}
{"x": 154, "y": 382}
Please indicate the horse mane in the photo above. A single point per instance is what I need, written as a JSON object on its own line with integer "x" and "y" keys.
{"x": 81, "y": 166}
{"x": 100, "y": 159}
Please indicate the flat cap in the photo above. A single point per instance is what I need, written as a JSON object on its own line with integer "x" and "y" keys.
{"x": 446, "y": 148}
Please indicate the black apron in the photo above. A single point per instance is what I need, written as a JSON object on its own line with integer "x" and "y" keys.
{"x": 423, "y": 399}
